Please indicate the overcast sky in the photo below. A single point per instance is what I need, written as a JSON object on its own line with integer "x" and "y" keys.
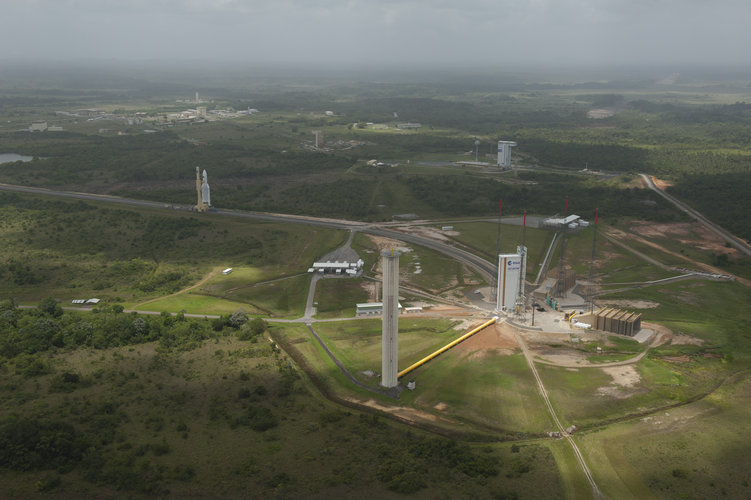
{"x": 381, "y": 31}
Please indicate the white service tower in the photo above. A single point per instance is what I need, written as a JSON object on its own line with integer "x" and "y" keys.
{"x": 509, "y": 273}
{"x": 504, "y": 153}
{"x": 390, "y": 320}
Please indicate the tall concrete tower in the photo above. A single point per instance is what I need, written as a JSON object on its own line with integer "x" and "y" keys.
{"x": 390, "y": 321}
{"x": 319, "y": 138}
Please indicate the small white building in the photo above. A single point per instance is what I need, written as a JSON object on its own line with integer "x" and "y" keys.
{"x": 373, "y": 308}
{"x": 570, "y": 222}
{"x": 349, "y": 268}
{"x": 38, "y": 126}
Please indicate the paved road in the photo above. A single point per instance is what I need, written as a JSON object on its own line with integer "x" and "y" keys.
{"x": 736, "y": 242}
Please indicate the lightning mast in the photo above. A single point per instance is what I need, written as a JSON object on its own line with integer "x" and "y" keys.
{"x": 498, "y": 238}
{"x": 560, "y": 286}
{"x": 591, "y": 279}
{"x": 521, "y": 299}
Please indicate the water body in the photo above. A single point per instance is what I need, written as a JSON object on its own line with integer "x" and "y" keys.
{"x": 11, "y": 157}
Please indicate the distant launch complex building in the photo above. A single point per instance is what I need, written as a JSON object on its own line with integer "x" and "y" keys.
{"x": 504, "y": 153}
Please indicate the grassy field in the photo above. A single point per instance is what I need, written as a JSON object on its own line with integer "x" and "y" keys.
{"x": 358, "y": 343}
{"x": 283, "y": 297}
{"x": 73, "y": 250}
{"x": 482, "y": 236}
{"x": 337, "y": 297}
{"x": 495, "y": 390}
{"x": 165, "y": 418}
{"x": 695, "y": 451}
{"x": 194, "y": 303}
{"x": 589, "y": 396}
{"x": 157, "y": 426}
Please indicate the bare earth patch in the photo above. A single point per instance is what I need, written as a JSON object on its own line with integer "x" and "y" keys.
{"x": 688, "y": 233}
{"x": 407, "y": 414}
{"x": 624, "y": 377}
{"x": 495, "y": 338}
{"x": 661, "y": 184}
{"x": 683, "y": 339}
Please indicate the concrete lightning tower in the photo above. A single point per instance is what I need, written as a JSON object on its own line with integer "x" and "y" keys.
{"x": 390, "y": 321}
{"x": 591, "y": 281}
{"x": 560, "y": 286}
{"x": 521, "y": 299}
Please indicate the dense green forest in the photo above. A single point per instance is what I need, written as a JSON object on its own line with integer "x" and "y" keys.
{"x": 124, "y": 425}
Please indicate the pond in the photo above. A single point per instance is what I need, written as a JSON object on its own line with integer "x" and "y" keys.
{"x": 11, "y": 157}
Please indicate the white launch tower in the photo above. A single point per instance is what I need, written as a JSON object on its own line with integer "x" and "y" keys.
{"x": 390, "y": 320}
{"x": 511, "y": 270}
{"x": 504, "y": 153}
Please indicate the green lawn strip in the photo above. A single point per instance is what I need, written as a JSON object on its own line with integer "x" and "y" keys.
{"x": 574, "y": 481}
{"x": 484, "y": 235}
{"x": 329, "y": 377}
{"x": 240, "y": 277}
{"x": 614, "y": 475}
{"x": 284, "y": 297}
{"x": 338, "y": 297}
{"x": 194, "y": 303}
{"x": 608, "y": 358}
{"x": 357, "y": 344}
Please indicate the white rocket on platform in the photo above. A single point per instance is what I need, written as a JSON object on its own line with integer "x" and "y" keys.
{"x": 203, "y": 192}
{"x": 205, "y": 189}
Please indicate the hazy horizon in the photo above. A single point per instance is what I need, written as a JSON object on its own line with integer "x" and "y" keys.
{"x": 406, "y": 33}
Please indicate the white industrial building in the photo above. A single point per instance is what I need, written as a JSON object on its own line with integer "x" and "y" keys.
{"x": 336, "y": 267}
{"x": 504, "y": 153}
{"x": 375, "y": 308}
{"x": 511, "y": 271}
{"x": 569, "y": 222}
